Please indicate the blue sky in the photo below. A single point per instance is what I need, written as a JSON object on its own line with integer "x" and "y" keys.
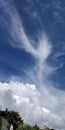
{"x": 32, "y": 54}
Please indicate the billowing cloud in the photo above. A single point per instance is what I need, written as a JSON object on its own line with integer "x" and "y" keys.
{"x": 33, "y": 105}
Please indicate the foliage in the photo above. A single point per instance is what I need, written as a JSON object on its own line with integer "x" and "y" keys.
{"x": 12, "y": 117}
{"x": 25, "y": 127}
{"x": 36, "y": 127}
{"x": 0, "y": 122}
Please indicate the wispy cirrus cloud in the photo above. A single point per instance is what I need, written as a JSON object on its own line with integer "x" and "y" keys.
{"x": 21, "y": 40}
{"x": 18, "y": 34}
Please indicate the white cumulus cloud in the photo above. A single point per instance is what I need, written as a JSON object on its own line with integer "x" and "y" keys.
{"x": 33, "y": 105}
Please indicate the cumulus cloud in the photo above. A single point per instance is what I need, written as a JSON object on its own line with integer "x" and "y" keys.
{"x": 34, "y": 106}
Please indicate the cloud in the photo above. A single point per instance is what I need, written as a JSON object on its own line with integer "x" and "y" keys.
{"x": 34, "y": 106}
{"x": 5, "y": 5}
{"x": 18, "y": 34}
{"x": 39, "y": 102}
{"x": 21, "y": 39}
{"x": 40, "y": 53}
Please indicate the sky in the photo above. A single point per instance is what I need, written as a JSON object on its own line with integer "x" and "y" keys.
{"x": 32, "y": 60}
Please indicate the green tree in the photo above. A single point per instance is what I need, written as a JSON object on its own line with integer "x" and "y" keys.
{"x": 25, "y": 127}
{"x": 12, "y": 117}
{"x": 0, "y": 122}
{"x": 36, "y": 127}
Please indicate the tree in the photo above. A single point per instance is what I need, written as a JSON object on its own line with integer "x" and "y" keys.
{"x": 36, "y": 127}
{"x": 25, "y": 127}
{"x": 0, "y": 122}
{"x": 12, "y": 117}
